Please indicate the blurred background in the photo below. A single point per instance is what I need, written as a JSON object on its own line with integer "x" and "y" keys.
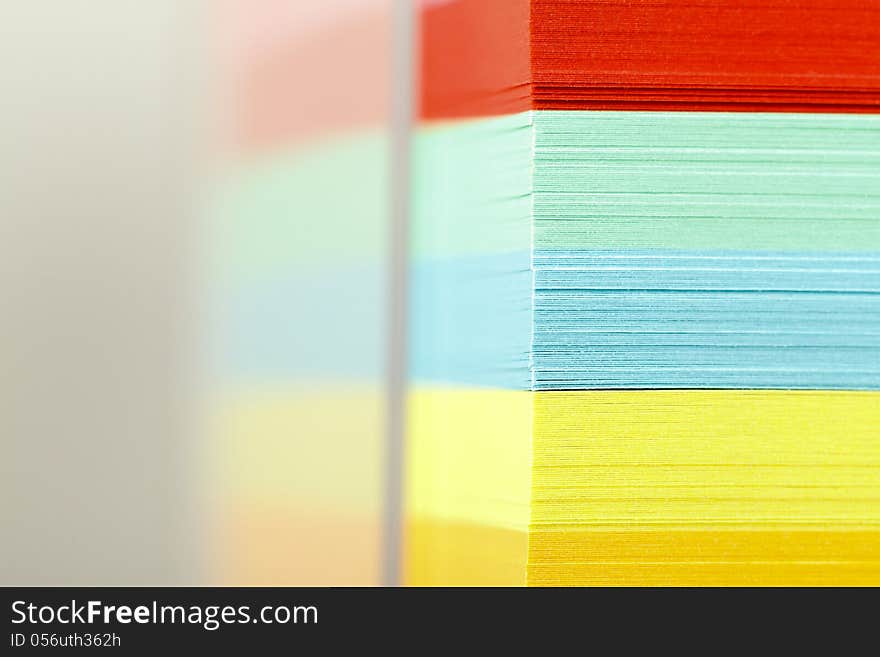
{"x": 199, "y": 282}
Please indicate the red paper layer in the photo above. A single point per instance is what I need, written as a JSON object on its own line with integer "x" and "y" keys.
{"x": 474, "y": 58}
{"x": 776, "y": 55}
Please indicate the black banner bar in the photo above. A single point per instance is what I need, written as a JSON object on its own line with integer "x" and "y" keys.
{"x": 136, "y": 620}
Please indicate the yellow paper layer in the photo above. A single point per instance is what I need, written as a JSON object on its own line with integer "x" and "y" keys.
{"x": 469, "y": 456}
{"x": 442, "y": 553}
{"x": 688, "y": 557}
{"x": 648, "y": 487}
{"x": 467, "y": 486}
{"x": 711, "y": 457}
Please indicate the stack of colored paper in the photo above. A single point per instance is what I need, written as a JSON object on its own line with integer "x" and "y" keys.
{"x": 646, "y": 294}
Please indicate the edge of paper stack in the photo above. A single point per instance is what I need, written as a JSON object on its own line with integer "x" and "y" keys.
{"x": 645, "y": 303}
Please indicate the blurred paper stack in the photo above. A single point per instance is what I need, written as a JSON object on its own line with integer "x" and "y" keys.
{"x": 646, "y": 269}
{"x": 298, "y": 277}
